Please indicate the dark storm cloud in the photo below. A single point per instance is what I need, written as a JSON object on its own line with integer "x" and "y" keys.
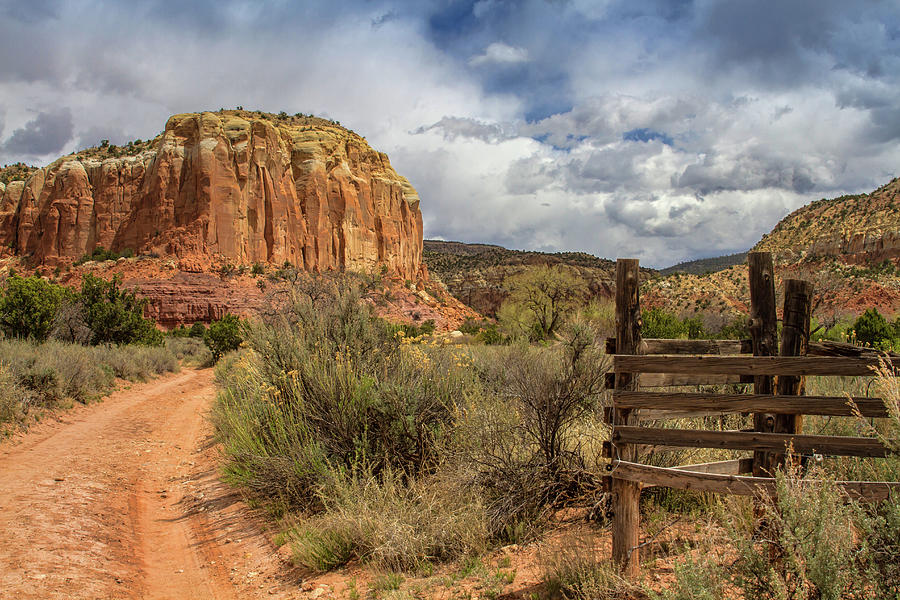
{"x": 786, "y": 42}
{"x": 750, "y": 172}
{"x": 47, "y": 133}
{"x": 387, "y": 17}
{"x": 28, "y": 54}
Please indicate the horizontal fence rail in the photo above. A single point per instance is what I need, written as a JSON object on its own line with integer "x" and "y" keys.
{"x": 683, "y": 479}
{"x": 680, "y": 380}
{"x": 745, "y": 403}
{"x": 750, "y": 440}
{"x": 750, "y": 365}
{"x": 731, "y": 347}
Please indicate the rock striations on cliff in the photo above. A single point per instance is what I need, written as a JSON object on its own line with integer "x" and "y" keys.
{"x": 239, "y": 186}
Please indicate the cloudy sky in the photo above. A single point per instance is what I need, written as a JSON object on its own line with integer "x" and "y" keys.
{"x": 664, "y": 130}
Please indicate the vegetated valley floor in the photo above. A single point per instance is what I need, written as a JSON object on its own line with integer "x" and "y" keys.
{"x": 121, "y": 499}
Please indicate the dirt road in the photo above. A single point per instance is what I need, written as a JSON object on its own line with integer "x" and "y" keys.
{"x": 121, "y": 499}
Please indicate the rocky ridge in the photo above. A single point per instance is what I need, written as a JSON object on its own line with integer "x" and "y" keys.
{"x": 860, "y": 229}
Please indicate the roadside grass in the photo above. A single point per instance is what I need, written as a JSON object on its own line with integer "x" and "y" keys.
{"x": 36, "y": 377}
{"x": 191, "y": 351}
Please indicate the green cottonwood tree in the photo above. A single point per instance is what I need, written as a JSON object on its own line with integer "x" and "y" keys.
{"x": 540, "y": 299}
{"x": 115, "y": 315}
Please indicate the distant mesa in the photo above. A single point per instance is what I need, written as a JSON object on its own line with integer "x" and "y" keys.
{"x": 706, "y": 265}
{"x": 236, "y": 185}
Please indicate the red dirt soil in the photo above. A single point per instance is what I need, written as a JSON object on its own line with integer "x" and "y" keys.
{"x": 121, "y": 499}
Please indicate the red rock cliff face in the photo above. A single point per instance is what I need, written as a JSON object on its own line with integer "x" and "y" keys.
{"x": 231, "y": 184}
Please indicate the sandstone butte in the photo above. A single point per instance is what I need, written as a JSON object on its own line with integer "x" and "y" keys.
{"x": 217, "y": 188}
{"x": 241, "y": 186}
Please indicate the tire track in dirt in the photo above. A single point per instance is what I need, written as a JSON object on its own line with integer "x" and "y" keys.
{"x": 121, "y": 499}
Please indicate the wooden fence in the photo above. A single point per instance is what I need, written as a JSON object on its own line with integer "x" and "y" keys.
{"x": 777, "y": 404}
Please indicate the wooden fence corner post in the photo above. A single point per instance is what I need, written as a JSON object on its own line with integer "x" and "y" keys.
{"x": 764, "y": 333}
{"x": 626, "y": 494}
{"x": 794, "y": 342}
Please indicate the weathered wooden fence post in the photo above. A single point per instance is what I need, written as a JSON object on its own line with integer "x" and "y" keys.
{"x": 764, "y": 332}
{"x": 794, "y": 342}
{"x": 626, "y": 494}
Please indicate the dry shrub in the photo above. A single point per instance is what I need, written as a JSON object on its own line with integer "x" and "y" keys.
{"x": 326, "y": 387}
{"x": 391, "y": 523}
{"x": 576, "y": 571}
{"x": 38, "y": 376}
{"x": 137, "y": 363}
{"x": 525, "y": 436}
{"x": 189, "y": 350}
{"x": 12, "y": 397}
{"x": 809, "y": 531}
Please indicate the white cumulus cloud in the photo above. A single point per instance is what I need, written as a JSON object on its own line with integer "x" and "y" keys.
{"x": 500, "y": 53}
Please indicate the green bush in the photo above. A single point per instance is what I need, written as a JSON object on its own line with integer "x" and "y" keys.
{"x": 737, "y": 329}
{"x": 28, "y": 307}
{"x": 413, "y": 331}
{"x": 101, "y": 254}
{"x": 198, "y": 330}
{"x": 483, "y": 330}
{"x": 115, "y": 315}
{"x": 180, "y": 331}
{"x": 659, "y": 323}
{"x": 223, "y": 336}
{"x": 872, "y": 329}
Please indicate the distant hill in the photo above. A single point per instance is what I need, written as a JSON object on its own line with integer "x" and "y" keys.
{"x": 475, "y": 273}
{"x": 859, "y": 229}
{"x": 706, "y": 265}
{"x": 848, "y": 247}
